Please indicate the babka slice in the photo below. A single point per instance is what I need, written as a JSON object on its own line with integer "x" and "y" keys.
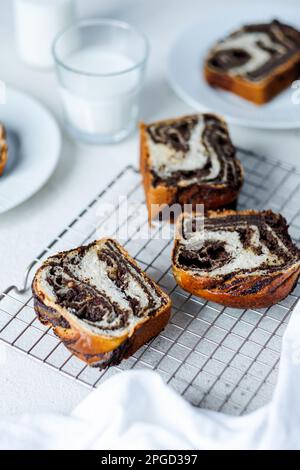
{"x": 240, "y": 259}
{"x": 189, "y": 160}
{"x": 3, "y": 148}
{"x": 99, "y": 302}
{"x": 255, "y": 62}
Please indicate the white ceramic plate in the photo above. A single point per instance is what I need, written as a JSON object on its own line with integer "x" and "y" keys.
{"x": 185, "y": 67}
{"x": 34, "y": 144}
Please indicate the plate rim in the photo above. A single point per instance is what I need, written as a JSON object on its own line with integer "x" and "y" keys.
{"x": 41, "y": 181}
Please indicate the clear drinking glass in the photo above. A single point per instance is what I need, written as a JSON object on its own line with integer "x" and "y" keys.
{"x": 100, "y": 66}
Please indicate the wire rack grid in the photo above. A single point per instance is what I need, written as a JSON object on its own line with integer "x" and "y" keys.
{"x": 216, "y": 357}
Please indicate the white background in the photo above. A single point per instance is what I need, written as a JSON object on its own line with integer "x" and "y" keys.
{"x": 83, "y": 171}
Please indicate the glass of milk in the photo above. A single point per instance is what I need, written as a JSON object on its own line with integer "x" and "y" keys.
{"x": 100, "y": 66}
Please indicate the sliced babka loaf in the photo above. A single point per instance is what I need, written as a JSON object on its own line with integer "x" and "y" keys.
{"x": 255, "y": 62}
{"x": 99, "y": 302}
{"x": 189, "y": 160}
{"x": 240, "y": 259}
{"x": 3, "y": 148}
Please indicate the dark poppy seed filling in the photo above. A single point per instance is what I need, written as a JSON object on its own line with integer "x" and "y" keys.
{"x": 255, "y": 51}
{"x": 101, "y": 287}
{"x": 235, "y": 244}
{"x": 207, "y": 257}
{"x": 176, "y": 136}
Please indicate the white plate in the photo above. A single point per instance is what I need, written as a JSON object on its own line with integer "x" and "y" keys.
{"x": 34, "y": 144}
{"x": 185, "y": 68}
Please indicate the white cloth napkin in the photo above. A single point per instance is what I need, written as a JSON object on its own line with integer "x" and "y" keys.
{"x": 136, "y": 410}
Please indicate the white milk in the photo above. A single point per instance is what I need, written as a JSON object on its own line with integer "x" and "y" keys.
{"x": 100, "y": 104}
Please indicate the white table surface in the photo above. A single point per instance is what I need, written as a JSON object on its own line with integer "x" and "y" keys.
{"x": 26, "y": 385}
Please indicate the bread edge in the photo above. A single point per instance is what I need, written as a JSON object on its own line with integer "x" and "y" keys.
{"x": 3, "y": 149}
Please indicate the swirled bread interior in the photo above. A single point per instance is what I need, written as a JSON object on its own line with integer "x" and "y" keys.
{"x": 191, "y": 150}
{"x": 102, "y": 287}
{"x": 255, "y": 51}
{"x": 253, "y": 243}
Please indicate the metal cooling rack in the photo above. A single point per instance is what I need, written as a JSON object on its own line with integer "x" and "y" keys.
{"x": 218, "y": 358}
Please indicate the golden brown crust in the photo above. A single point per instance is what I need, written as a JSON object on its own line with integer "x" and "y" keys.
{"x": 213, "y": 196}
{"x": 91, "y": 348}
{"x": 3, "y": 149}
{"x": 257, "y": 92}
{"x": 277, "y": 289}
{"x": 250, "y": 291}
{"x": 97, "y": 349}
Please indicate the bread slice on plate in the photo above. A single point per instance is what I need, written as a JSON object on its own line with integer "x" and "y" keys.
{"x": 3, "y": 148}
{"x": 189, "y": 160}
{"x": 242, "y": 259}
{"x": 256, "y": 62}
{"x": 99, "y": 302}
